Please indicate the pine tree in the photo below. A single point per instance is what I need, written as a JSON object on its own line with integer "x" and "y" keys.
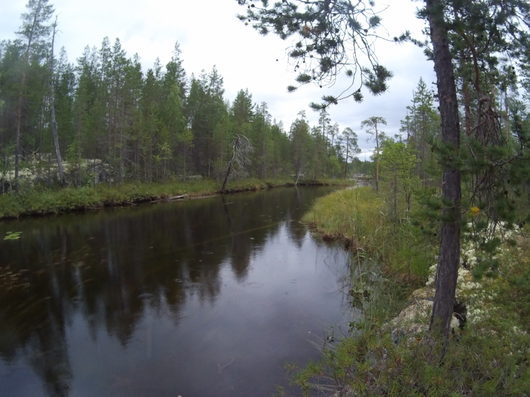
{"x": 34, "y": 34}
{"x": 349, "y": 146}
{"x": 300, "y": 141}
{"x": 422, "y": 127}
{"x": 398, "y": 163}
{"x": 207, "y": 110}
{"x": 372, "y": 125}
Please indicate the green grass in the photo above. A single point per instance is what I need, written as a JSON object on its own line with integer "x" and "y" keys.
{"x": 358, "y": 215}
{"x": 488, "y": 358}
{"x": 41, "y": 201}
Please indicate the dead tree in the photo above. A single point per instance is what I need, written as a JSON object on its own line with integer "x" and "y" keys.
{"x": 241, "y": 150}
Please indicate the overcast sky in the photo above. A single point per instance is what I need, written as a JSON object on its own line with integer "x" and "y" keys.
{"x": 210, "y": 34}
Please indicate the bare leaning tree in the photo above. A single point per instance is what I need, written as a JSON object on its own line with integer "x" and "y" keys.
{"x": 241, "y": 150}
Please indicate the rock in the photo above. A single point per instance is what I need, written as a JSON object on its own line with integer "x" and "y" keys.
{"x": 414, "y": 319}
{"x": 423, "y": 293}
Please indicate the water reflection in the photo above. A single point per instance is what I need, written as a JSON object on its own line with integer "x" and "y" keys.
{"x": 200, "y": 298}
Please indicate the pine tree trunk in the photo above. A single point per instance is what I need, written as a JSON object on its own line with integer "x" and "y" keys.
{"x": 227, "y": 175}
{"x": 447, "y": 272}
{"x": 376, "y": 159}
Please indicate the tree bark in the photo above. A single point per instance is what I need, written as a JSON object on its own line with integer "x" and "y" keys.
{"x": 376, "y": 158}
{"x": 447, "y": 271}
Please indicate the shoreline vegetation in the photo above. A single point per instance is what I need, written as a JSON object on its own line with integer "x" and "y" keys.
{"x": 389, "y": 352}
{"x": 357, "y": 216}
{"x": 48, "y": 201}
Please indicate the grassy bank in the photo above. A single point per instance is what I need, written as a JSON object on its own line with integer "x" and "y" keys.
{"x": 41, "y": 201}
{"x": 488, "y": 357}
{"x": 358, "y": 215}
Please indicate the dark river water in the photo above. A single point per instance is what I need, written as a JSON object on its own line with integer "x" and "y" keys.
{"x": 200, "y": 298}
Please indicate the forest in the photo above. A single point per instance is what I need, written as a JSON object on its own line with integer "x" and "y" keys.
{"x": 108, "y": 118}
{"x": 454, "y": 187}
{"x": 446, "y": 215}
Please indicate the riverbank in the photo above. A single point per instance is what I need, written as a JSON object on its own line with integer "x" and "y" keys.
{"x": 39, "y": 201}
{"x": 358, "y": 217}
{"x": 389, "y": 351}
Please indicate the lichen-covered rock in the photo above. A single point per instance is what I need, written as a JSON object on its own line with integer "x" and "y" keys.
{"x": 414, "y": 318}
{"x": 475, "y": 300}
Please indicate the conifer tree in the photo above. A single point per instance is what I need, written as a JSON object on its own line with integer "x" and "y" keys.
{"x": 330, "y": 35}
{"x": 422, "y": 126}
{"x": 349, "y": 147}
{"x": 372, "y": 125}
{"x": 34, "y": 34}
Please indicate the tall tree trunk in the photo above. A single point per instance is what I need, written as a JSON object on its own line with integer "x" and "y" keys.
{"x": 376, "y": 158}
{"x": 55, "y": 133}
{"x": 227, "y": 175}
{"x": 22, "y": 89}
{"x": 346, "y": 160}
{"x": 18, "y": 127}
{"x": 447, "y": 272}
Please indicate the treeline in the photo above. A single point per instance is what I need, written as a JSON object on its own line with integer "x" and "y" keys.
{"x": 494, "y": 155}
{"x": 105, "y": 118}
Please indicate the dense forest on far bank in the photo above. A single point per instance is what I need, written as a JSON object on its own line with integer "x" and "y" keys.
{"x": 107, "y": 118}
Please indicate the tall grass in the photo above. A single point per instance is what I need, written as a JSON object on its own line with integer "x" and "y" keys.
{"x": 40, "y": 201}
{"x": 359, "y": 216}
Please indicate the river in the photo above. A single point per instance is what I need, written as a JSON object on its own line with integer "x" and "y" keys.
{"x": 208, "y": 297}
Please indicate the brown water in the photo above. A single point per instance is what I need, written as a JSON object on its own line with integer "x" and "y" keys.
{"x": 199, "y": 298}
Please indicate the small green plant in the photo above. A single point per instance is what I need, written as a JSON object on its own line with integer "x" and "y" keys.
{"x": 12, "y": 235}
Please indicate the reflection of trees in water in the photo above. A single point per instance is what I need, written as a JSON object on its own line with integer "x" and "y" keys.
{"x": 296, "y": 231}
{"x": 111, "y": 267}
{"x": 33, "y": 317}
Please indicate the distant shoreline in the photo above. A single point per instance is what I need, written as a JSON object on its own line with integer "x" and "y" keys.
{"x": 45, "y": 202}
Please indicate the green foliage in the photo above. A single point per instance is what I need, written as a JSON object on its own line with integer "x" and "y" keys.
{"x": 398, "y": 181}
{"x": 118, "y": 124}
{"x": 377, "y": 79}
{"x": 355, "y": 214}
{"x": 421, "y": 127}
{"x": 324, "y": 33}
{"x": 40, "y": 201}
{"x": 488, "y": 357}
{"x": 359, "y": 216}
{"x": 12, "y": 236}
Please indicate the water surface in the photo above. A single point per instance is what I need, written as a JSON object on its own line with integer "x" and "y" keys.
{"x": 200, "y": 298}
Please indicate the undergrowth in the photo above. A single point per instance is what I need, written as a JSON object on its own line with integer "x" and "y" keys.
{"x": 358, "y": 215}
{"x": 488, "y": 357}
